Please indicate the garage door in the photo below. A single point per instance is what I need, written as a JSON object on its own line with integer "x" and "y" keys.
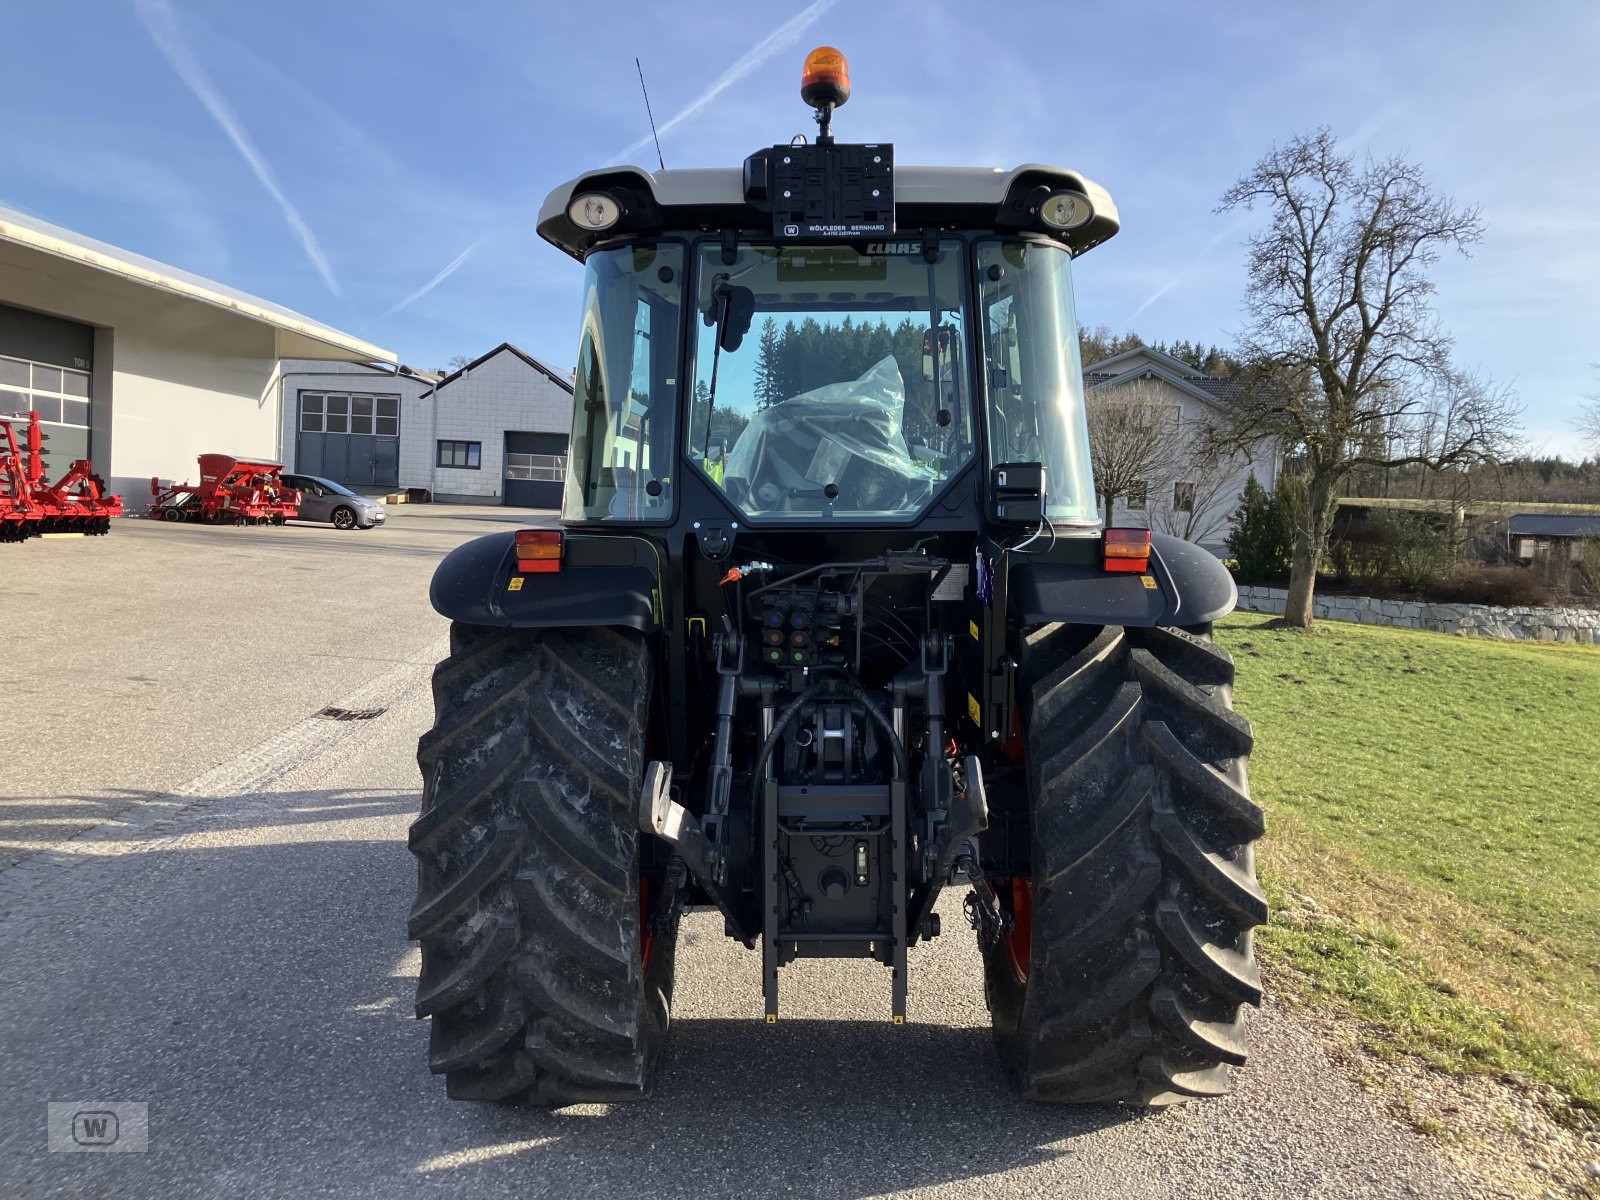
{"x": 352, "y": 438}
{"x": 44, "y": 368}
{"x": 536, "y": 464}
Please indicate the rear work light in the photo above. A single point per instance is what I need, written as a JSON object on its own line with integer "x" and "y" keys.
{"x": 538, "y": 551}
{"x": 1126, "y": 550}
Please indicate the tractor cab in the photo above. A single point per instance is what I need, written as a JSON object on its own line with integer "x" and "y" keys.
{"x": 824, "y": 337}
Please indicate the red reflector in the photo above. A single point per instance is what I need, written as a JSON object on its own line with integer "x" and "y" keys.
{"x": 538, "y": 550}
{"x": 1127, "y": 549}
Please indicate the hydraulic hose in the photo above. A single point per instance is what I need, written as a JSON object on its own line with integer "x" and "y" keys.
{"x": 779, "y": 725}
{"x": 852, "y": 688}
{"x": 902, "y": 764}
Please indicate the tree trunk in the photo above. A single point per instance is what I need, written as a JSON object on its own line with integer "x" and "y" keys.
{"x": 1311, "y": 539}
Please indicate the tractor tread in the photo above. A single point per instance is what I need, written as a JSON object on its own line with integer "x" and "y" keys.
{"x": 473, "y": 971}
{"x": 1144, "y": 891}
{"x": 1220, "y": 720}
{"x": 1120, "y": 714}
{"x": 1225, "y": 970}
{"x": 464, "y": 890}
{"x": 1222, "y": 1041}
{"x": 1225, "y": 881}
{"x": 474, "y": 1036}
{"x": 1215, "y": 789}
{"x": 538, "y": 742}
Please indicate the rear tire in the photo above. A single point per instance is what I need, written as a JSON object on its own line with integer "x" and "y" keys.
{"x": 529, "y": 893}
{"x": 1132, "y": 956}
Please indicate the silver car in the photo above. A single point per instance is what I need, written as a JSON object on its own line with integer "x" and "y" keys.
{"x": 324, "y": 500}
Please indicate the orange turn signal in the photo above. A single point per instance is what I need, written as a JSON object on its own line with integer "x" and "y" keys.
{"x": 825, "y": 79}
{"x": 1127, "y": 550}
{"x": 538, "y": 551}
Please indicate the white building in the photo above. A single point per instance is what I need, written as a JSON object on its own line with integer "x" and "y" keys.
{"x": 494, "y": 431}
{"x": 1197, "y": 503}
{"x": 140, "y": 366}
{"x": 343, "y": 421}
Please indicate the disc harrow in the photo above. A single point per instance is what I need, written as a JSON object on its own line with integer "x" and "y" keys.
{"x": 30, "y": 507}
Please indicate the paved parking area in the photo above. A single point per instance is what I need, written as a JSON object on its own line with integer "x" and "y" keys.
{"x": 136, "y": 661}
{"x": 230, "y": 950}
{"x": 245, "y": 973}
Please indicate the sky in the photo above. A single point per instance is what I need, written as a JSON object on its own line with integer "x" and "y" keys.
{"x": 379, "y": 164}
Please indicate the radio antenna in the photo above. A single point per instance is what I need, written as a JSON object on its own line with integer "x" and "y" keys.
{"x": 650, "y": 114}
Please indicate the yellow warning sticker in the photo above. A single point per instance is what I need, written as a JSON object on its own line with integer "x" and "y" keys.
{"x": 516, "y": 584}
{"x": 974, "y": 710}
{"x": 1149, "y": 581}
{"x": 973, "y": 627}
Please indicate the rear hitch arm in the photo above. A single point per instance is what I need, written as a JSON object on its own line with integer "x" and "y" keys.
{"x": 670, "y": 821}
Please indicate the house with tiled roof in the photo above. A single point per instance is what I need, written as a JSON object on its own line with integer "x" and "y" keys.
{"x": 492, "y": 432}
{"x": 1199, "y": 498}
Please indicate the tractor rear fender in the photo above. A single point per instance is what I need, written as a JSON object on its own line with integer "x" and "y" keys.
{"x": 1184, "y": 585}
{"x": 603, "y": 580}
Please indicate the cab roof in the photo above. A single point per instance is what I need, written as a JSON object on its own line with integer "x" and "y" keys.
{"x": 715, "y": 199}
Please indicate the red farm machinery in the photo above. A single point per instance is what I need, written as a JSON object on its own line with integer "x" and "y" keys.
{"x": 30, "y": 506}
{"x": 231, "y": 491}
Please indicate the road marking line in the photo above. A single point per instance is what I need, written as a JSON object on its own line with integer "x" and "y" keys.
{"x": 30, "y": 890}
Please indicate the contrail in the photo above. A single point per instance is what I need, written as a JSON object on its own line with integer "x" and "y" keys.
{"x": 449, "y": 270}
{"x": 1205, "y": 252}
{"x": 779, "y": 39}
{"x": 1158, "y": 293}
{"x": 161, "y": 23}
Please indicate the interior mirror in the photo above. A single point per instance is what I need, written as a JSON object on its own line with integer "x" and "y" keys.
{"x": 732, "y": 310}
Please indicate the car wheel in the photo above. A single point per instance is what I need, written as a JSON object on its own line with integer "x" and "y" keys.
{"x": 344, "y": 517}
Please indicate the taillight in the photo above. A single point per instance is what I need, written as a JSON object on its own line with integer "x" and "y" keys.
{"x": 538, "y": 551}
{"x": 1127, "y": 550}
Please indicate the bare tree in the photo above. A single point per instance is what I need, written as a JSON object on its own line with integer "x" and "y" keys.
{"x": 1135, "y": 441}
{"x": 1351, "y": 364}
{"x": 1588, "y": 421}
{"x": 1207, "y": 471}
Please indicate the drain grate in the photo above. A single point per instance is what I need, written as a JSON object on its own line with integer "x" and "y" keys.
{"x": 350, "y": 714}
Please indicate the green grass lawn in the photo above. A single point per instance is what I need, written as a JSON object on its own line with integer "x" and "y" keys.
{"x": 1433, "y": 849}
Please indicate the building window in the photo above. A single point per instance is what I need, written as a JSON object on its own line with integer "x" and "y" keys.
{"x": 59, "y": 395}
{"x": 549, "y": 467}
{"x": 1139, "y": 495}
{"x": 349, "y": 412}
{"x": 1183, "y": 497}
{"x": 388, "y": 418}
{"x": 466, "y": 456}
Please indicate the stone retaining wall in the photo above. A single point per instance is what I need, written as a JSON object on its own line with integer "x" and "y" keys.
{"x": 1469, "y": 620}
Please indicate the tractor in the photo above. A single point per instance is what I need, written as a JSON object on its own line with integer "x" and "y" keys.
{"x": 830, "y": 624}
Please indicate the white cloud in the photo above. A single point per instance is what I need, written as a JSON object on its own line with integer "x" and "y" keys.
{"x": 162, "y": 24}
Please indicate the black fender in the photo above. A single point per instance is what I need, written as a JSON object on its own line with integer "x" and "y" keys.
{"x": 1184, "y": 585}
{"x": 603, "y": 580}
